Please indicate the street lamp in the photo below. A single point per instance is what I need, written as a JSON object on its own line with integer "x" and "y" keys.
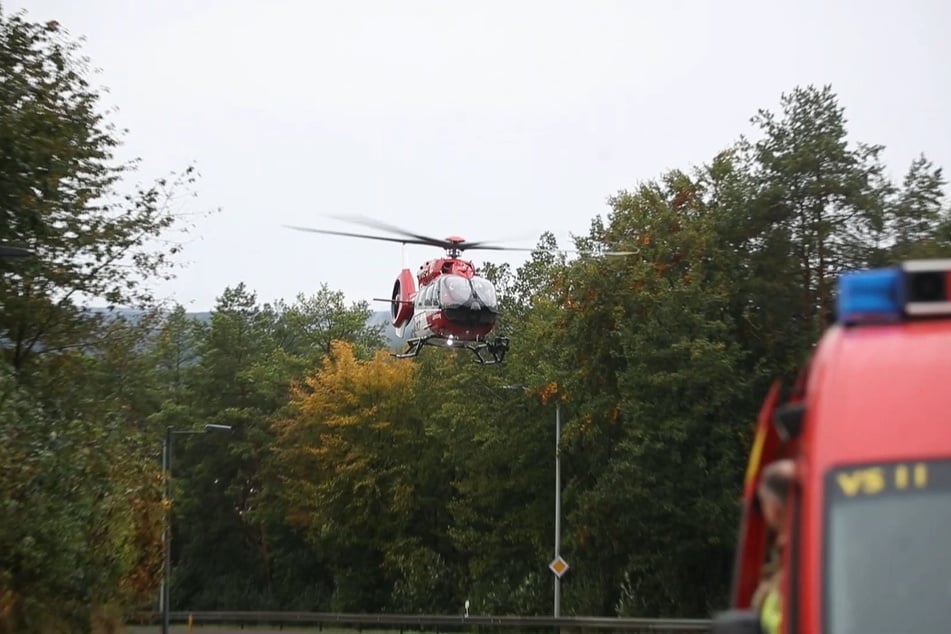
{"x": 166, "y": 525}
{"x": 13, "y": 252}
{"x": 558, "y": 565}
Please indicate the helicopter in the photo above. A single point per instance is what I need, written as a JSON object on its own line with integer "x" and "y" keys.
{"x": 453, "y": 306}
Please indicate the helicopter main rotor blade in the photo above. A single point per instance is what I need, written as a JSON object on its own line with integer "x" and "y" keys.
{"x": 359, "y": 235}
{"x": 382, "y": 226}
{"x": 415, "y": 238}
{"x": 436, "y": 242}
{"x": 490, "y": 247}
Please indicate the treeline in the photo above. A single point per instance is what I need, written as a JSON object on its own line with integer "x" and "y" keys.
{"x": 354, "y": 481}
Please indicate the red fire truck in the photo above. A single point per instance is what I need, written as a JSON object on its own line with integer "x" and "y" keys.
{"x": 868, "y": 424}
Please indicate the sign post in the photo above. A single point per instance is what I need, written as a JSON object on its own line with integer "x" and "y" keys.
{"x": 558, "y": 565}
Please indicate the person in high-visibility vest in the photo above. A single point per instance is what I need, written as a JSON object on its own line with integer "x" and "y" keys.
{"x": 773, "y": 492}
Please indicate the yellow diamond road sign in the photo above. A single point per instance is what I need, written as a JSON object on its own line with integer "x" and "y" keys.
{"x": 558, "y": 566}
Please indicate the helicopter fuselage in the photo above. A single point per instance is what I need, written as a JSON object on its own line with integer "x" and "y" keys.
{"x": 454, "y": 307}
{"x": 453, "y": 302}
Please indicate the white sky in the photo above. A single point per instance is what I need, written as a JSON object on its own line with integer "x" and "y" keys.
{"x": 489, "y": 120}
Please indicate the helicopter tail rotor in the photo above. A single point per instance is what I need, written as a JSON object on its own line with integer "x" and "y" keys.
{"x": 401, "y": 302}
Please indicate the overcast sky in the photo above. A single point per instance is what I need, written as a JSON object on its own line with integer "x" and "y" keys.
{"x": 489, "y": 120}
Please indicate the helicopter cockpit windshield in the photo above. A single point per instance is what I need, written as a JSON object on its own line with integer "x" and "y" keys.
{"x": 456, "y": 290}
{"x": 485, "y": 292}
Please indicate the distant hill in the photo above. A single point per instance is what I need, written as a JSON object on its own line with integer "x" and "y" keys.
{"x": 378, "y": 318}
{"x": 383, "y": 317}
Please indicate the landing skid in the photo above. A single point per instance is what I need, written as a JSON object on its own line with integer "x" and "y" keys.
{"x": 486, "y": 352}
{"x": 413, "y": 347}
{"x": 495, "y": 348}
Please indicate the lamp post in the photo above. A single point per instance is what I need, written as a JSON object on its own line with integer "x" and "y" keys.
{"x": 557, "y": 507}
{"x": 167, "y": 520}
{"x": 13, "y": 252}
{"x": 558, "y": 565}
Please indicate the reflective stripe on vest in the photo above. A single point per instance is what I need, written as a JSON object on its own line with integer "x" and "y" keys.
{"x": 771, "y": 615}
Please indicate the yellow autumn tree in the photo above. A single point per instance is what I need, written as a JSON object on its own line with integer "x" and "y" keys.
{"x": 347, "y": 452}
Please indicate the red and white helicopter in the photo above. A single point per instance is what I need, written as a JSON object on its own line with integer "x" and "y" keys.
{"x": 453, "y": 306}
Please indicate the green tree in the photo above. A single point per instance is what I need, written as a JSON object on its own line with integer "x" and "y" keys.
{"x": 60, "y": 196}
{"x": 82, "y": 489}
{"x": 217, "y": 553}
{"x": 651, "y": 449}
{"x": 249, "y": 355}
{"x": 310, "y": 325}
{"x": 83, "y": 521}
{"x": 917, "y": 218}
{"x": 175, "y": 349}
{"x": 823, "y": 195}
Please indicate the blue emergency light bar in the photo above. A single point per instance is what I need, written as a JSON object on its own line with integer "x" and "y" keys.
{"x": 916, "y": 288}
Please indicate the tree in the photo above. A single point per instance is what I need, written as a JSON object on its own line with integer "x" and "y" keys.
{"x": 651, "y": 449}
{"x": 83, "y": 521}
{"x": 217, "y": 552}
{"x": 500, "y": 443}
{"x": 82, "y": 487}
{"x": 175, "y": 350}
{"x": 309, "y": 327}
{"x": 916, "y": 218}
{"x": 59, "y": 196}
{"x": 349, "y": 450}
{"x": 246, "y": 360}
{"x": 824, "y": 196}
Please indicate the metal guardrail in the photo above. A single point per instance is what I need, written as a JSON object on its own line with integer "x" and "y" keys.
{"x": 446, "y": 623}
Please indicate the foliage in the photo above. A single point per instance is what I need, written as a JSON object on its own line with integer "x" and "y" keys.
{"x": 348, "y": 450}
{"x": 82, "y": 532}
{"x": 59, "y": 196}
{"x": 824, "y": 195}
{"x": 671, "y": 358}
{"x": 80, "y": 486}
{"x": 246, "y": 360}
{"x": 355, "y": 481}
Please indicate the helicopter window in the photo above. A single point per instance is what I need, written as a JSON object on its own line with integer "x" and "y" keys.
{"x": 432, "y": 295}
{"x": 454, "y": 290}
{"x": 486, "y": 292}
